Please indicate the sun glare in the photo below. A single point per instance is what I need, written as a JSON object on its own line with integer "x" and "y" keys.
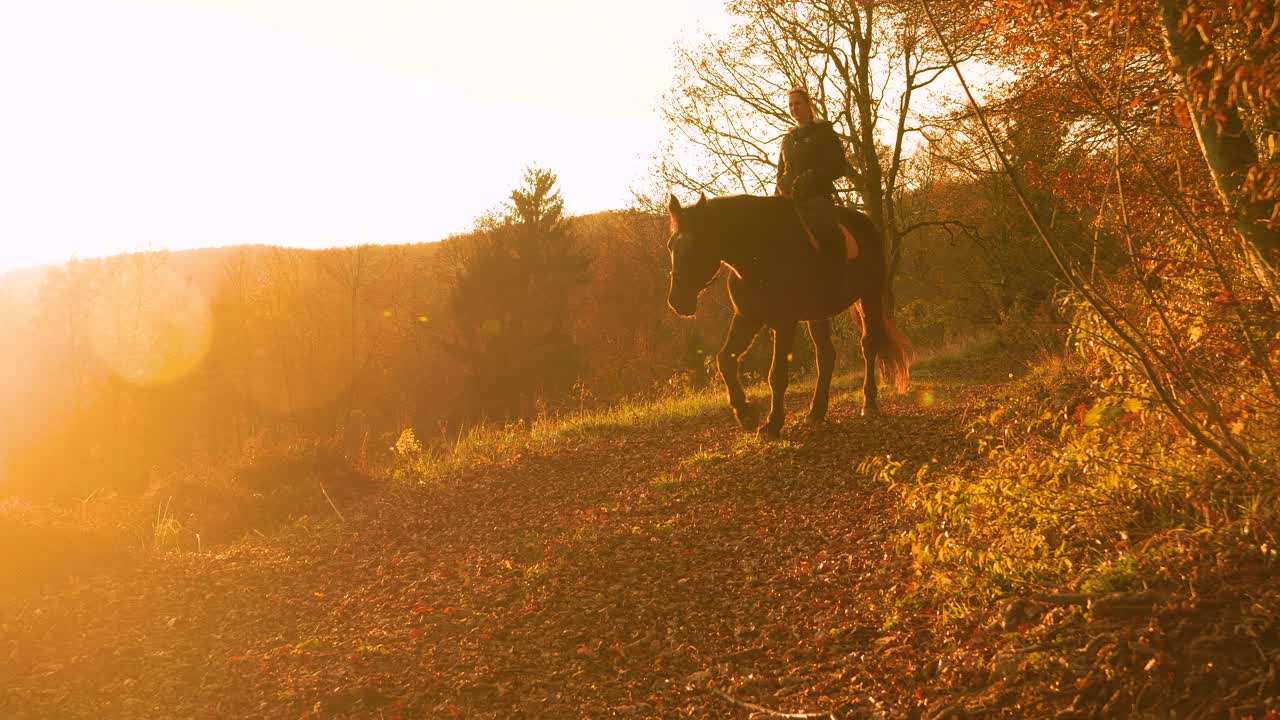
{"x": 148, "y": 325}
{"x": 132, "y": 126}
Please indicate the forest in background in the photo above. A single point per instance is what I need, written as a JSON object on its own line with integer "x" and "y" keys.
{"x": 126, "y": 369}
{"x": 130, "y": 367}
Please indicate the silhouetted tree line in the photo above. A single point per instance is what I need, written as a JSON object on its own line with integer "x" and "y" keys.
{"x": 122, "y": 369}
{"x": 127, "y": 368}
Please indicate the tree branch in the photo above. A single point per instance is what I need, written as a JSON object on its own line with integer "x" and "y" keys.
{"x": 969, "y": 230}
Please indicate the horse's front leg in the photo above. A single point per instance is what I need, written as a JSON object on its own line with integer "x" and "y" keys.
{"x": 741, "y": 332}
{"x": 824, "y": 351}
{"x": 783, "y": 336}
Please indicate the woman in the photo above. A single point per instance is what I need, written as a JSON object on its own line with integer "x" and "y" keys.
{"x": 811, "y": 160}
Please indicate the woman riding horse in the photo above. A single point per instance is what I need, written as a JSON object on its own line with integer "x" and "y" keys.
{"x": 811, "y": 160}
{"x": 764, "y": 243}
{"x": 771, "y": 266}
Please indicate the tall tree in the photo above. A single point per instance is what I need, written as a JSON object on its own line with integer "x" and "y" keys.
{"x": 348, "y": 268}
{"x": 510, "y": 305}
{"x": 1218, "y": 50}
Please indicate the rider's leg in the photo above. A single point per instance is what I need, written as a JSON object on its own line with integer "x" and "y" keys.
{"x": 820, "y": 214}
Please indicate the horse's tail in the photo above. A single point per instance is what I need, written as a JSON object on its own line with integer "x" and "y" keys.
{"x": 874, "y": 315}
{"x": 893, "y": 351}
{"x": 895, "y": 354}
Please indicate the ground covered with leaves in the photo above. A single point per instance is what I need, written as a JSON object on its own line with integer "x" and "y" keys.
{"x": 674, "y": 569}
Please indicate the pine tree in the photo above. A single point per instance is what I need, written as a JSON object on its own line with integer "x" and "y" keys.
{"x": 510, "y": 305}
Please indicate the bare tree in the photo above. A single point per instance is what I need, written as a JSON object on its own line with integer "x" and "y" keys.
{"x": 348, "y": 267}
{"x": 867, "y": 65}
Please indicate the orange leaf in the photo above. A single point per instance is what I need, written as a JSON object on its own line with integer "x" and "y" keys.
{"x": 1184, "y": 117}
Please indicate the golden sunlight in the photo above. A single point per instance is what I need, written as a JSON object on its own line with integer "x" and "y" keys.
{"x": 279, "y": 394}
{"x": 147, "y": 324}
{"x": 330, "y": 124}
{"x": 383, "y": 385}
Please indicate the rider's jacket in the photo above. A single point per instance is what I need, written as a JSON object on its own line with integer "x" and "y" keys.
{"x": 811, "y": 160}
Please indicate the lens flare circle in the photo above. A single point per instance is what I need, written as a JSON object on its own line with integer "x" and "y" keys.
{"x": 147, "y": 324}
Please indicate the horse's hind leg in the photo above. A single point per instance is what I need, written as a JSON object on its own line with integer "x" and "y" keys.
{"x": 783, "y": 336}
{"x": 825, "y": 352}
{"x": 741, "y": 332}
{"x": 867, "y": 313}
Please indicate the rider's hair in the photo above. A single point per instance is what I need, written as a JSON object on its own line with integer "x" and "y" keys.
{"x": 807, "y": 98}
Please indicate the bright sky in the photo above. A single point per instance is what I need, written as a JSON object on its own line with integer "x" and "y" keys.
{"x": 135, "y": 124}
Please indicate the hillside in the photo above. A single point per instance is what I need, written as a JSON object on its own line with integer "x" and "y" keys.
{"x": 645, "y": 562}
{"x": 109, "y": 360}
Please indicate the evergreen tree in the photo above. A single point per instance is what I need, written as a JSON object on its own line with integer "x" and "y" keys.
{"x": 510, "y": 303}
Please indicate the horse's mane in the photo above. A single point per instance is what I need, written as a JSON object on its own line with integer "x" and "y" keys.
{"x": 749, "y": 216}
{"x": 757, "y": 206}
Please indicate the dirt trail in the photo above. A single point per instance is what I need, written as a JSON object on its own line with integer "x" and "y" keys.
{"x": 685, "y": 571}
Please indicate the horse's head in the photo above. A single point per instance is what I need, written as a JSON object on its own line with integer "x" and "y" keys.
{"x": 695, "y": 256}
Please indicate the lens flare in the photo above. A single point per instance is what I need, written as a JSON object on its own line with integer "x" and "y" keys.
{"x": 147, "y": 324}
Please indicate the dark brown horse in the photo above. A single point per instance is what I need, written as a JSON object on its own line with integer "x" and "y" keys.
{"x": 774, "y": 283}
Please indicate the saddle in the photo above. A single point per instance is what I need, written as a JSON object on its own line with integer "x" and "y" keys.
{"x": 850, "y": 242}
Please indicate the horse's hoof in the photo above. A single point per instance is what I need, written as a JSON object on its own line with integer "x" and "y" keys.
{"x": 748, "y": 418}
{"x": 770, "y": 430}
{"x": 870, "y": 410}
{"x": 816, "y": 418}
{"x": 768, "y": 433}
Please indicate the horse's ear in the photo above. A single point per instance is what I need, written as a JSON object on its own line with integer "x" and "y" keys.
{"x": 673, "y": 204}
{"x": 702, "y": 200}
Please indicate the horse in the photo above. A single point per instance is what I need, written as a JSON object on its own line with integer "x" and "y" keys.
{"x": 773, "y": 265}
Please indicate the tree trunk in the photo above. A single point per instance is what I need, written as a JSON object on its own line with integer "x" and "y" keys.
{"x": 1229, "y": 150}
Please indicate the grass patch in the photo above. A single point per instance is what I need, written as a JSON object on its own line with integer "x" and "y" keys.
{"x": 704, "y": 458}
{"x": 166, "y": 532}
{"x": 668, "y": 481}
{"x": 490, "y": 444}
{"x": 494, "y": 444}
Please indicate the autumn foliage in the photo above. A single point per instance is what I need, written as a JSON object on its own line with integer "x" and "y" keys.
{"x": 496, "y": 457}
